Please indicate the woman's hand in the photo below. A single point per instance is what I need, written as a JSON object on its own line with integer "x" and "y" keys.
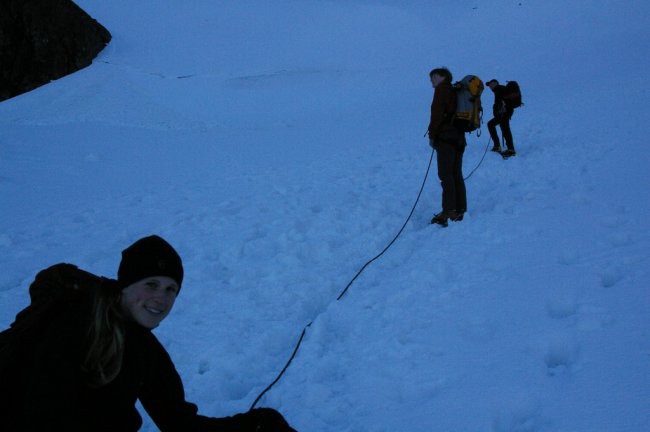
{"x": 269, "y": 420}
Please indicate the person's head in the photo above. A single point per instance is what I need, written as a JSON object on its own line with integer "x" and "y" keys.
{"x": 150, "y": 277}
{"x": 148, "y": 280}
{"x": 440, "y": 75}
{"x": 492, "y": 83}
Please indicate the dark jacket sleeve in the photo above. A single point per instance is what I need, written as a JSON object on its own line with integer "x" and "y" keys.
{"x": 50, "y": 397}
{"x": 163, "y": 397}
{"x": 441, "y": 106}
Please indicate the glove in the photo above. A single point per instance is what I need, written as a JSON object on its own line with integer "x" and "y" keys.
{"x": 269, "y": 420}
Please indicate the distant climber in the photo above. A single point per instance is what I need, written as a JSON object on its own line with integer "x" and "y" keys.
{"x": 506, "y": 99}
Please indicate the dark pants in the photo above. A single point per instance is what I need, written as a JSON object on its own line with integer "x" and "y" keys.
{"x": 450, "y": 172}
{"x": 504, "y": 123}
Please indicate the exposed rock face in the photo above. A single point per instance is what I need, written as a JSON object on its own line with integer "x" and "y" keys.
{"x": 42, "y": 40}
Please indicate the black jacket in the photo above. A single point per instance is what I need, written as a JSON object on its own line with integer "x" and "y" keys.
{"x": 46, "y": 390}
{"x": 501, "y": 109}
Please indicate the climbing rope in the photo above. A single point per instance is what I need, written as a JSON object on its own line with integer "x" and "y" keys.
{"x": 481, "y": 161}
{"x": 426, "y": 174}
{"x": 304, "y": 330}
{"x": 286, "y": 366}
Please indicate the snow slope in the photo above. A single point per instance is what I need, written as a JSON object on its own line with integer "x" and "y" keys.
{"x": 278, "y": 145}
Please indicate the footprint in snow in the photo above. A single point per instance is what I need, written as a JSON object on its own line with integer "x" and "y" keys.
{"x": 562, "y": 307}
{"x": 204, "y": 366}
{"x": 610, "y": 277}
{"x": 569, "y": 257}
{"x": 561, "y": 355}
{"x": 522, "y": 416}
{"x": 620, "y": 238}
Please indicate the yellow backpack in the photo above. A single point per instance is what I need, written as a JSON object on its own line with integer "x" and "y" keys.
{"x": 469, "y": 111}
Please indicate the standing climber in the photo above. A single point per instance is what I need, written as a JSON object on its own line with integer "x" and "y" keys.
{"x": 449, "y": 143}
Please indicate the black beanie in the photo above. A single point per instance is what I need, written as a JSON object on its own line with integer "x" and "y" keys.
{"x": 148, "y": 257}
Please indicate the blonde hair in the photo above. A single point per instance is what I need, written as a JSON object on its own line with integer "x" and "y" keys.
{"x": 105, "y": 337}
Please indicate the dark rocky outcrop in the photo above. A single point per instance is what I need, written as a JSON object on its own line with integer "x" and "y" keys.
{"x": 43, "y": 40}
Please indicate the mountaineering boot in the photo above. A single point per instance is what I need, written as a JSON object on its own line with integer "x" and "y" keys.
{"x": 458, "y": 217}
{"x": 442, "y": 217}
{"x": 508, "y": 153}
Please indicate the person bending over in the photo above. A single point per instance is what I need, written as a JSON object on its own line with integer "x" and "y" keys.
{"x": 81, "y": 355}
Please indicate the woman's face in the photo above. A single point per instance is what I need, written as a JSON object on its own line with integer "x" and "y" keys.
{"x": 149, "y": 300}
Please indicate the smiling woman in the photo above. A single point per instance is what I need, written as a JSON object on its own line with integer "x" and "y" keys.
{"x": 81, "y": 355}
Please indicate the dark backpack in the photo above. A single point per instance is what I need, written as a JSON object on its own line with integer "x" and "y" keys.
{"x": 53, "y": 291}
{"x": 469, "y": 111}
{"x": 513, "y": 95}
